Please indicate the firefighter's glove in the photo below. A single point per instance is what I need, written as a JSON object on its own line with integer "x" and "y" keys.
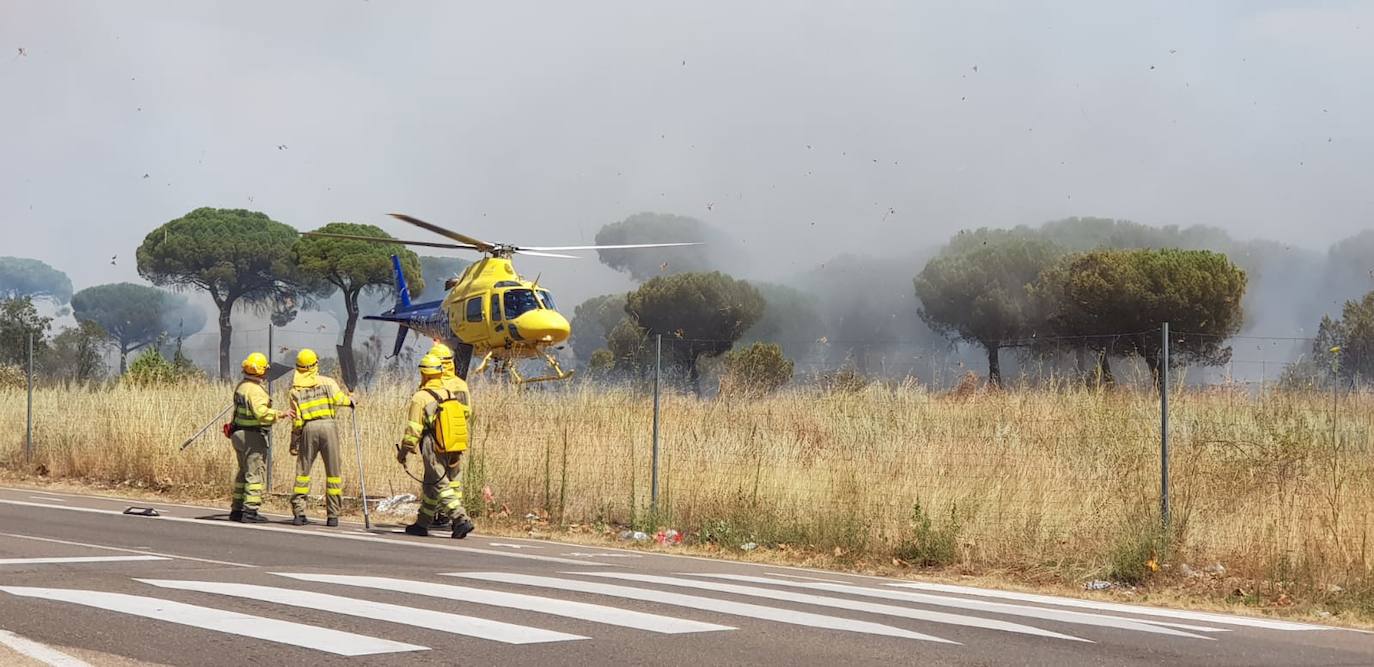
{"x": 401, "y": 454}
{"x": 296, "y": 444}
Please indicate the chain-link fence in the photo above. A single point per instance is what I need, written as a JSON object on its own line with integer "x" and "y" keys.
{"x": 1269, "y": 466}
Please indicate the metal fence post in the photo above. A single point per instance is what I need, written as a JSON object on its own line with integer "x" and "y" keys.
{"x": 653, "y": 474}
{"x": 1164, "y": 428}
{"x": 28, "y": 419}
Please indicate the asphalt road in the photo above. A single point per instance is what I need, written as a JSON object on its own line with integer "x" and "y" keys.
{"x": 81, "y": 583}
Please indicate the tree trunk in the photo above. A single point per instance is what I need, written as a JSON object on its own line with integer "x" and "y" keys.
{"x": 994, "y": 364}
{"x": 226, "y": 332}
{"x": 350, "y": 327}
{"x": 123, "y": 359}
{"x": 1104, "y": 370}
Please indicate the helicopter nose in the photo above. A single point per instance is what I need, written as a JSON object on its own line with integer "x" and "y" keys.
{"x": 544, "y": 326}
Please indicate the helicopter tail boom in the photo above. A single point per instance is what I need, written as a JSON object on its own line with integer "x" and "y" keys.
{"x": 402, "y": 290}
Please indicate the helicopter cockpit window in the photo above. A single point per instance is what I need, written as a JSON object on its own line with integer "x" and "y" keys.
{"x": 474, "y": 312}
{"x": 547, "y": 299}
{"x": 520, "y": 301}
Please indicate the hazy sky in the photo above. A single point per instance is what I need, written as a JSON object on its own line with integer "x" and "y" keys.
{"x": 861, "y": 127}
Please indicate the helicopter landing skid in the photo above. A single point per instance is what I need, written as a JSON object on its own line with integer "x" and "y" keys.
{"x": 558, "y": 372}
{"x": 508, "y": 368}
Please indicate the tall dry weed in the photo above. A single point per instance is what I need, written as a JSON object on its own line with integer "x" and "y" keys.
{"x": 1274, "y": 486}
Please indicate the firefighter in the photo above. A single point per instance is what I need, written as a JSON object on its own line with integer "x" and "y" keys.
{"x": 249, "y": 433}
{"x": 436, "y": 429}
{"x": 456, "y": 385}
{"x": 313, "y": 433}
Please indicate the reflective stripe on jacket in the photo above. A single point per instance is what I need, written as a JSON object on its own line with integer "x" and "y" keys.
{"x": 252, "y": 405}
{"x": 318, "y": 401}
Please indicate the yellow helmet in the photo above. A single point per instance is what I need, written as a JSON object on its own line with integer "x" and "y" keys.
{"x": 306, "y": 358}
{"x": 442, "y": 351}
{"x": 255, "y": 364}
{"x": 430, "y": 365}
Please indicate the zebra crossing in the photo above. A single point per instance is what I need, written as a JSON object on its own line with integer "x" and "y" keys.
{"x": 924, "y": 613}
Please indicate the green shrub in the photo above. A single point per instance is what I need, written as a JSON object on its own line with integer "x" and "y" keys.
{"x": 756, "y": 370}
{"x": 151, "y": 369}
{"x": 12, "y": 377}
{"x": 844, "y": 380}
{"x": 601, "y": 364}
{"x": 930, "y": 545}
{"x": 1135, "y": 556}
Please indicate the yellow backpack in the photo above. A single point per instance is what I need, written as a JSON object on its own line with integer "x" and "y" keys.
{"x": 450, "y": 422}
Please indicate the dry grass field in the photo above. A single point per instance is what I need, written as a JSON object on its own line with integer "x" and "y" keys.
{"x": 1058, "y": 485}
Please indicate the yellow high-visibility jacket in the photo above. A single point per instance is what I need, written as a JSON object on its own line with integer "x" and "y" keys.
{"x": 252, "y": 405}
{"x": 454, "y": 384}
{"x": 420, "y": 413}
{"x": 317, "y": 400}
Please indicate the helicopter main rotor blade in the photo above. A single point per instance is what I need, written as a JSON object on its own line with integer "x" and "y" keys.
{"x": 534, "y": 253}
{"x": 378, "y": 239}
{"x": 447, "y": 233}
{"x": 605, "y": 247}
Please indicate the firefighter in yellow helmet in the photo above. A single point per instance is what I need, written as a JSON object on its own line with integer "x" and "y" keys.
{"x": 455, "y": 385}
{"x": 314, "y": 433}
{"x": 253, "y": 419}
{"x": 437, "y": 424}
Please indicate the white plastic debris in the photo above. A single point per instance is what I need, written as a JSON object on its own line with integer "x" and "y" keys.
{"x": 1216, "y": 569}
{"x": 748, "y": 546}
{"x": 1097, "y": 585}
{"x": 398, "y": 504}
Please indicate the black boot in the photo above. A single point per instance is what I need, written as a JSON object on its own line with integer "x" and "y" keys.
{"x": 440, "y": 522}
{"x": 462, "y": 528}
{"x": 417, "y": 529}
{"x": 299, "y": 520}
{"x": 332, "y": 522}
{"x": 252, "y": 516}
{"x": 236, "y": 515}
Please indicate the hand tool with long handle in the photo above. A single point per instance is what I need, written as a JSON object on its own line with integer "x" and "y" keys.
{"x": 205, "y": 428}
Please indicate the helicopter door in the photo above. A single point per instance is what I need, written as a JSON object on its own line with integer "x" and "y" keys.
{"x": 494, "y": 315}
{"x": 474, "y": 327}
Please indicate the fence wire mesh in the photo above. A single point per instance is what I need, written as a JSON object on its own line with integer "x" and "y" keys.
{"x": 1270, "y": 450}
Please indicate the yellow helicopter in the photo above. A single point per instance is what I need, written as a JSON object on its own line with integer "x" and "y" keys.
{"x": 489, "y": 311}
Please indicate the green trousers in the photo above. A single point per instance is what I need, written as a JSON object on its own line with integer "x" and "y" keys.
{"x": 250, "y": 447}
{"x": 442, "y": 491}
{"x": 319, "y": 438}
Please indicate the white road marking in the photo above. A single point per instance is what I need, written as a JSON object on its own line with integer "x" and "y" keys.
{"x": 1079, "y": 618}
{"x": 234, "y": 623}
{"x": 1116, "y": 607}
{"x": 51, "y": 500}
{"x": 798, "y": 576}
{"x": 580, "y": 610}
{"x": 336, "y": 536}
{"x": 706, "y": 604}
{"x": 75, "y": 559}
{"x": 40, "y": 652}
{"x": 512, "y": 546}
{"x": 584, "y": 554}
{"x": 140, "y": 550}
{"x": 838, "y": 603}
{"x": 468, "y": 626}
